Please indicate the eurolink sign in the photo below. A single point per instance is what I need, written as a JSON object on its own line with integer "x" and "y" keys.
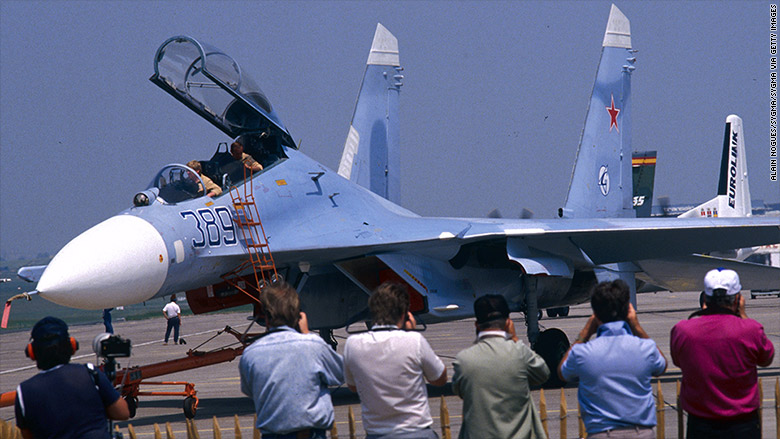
{"x": 733, "y": 170}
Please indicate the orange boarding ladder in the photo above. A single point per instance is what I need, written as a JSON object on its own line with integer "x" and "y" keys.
{"x": 260, "y": 259}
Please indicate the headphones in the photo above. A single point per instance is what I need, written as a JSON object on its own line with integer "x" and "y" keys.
{"x": 29, "y": 352}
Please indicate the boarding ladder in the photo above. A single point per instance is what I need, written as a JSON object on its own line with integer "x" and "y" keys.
{"x": 260, "y": 259}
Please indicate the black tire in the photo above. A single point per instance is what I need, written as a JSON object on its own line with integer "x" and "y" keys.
{"x": 552, "y": 345}
{"x": 563, "y": 311}
{"x": 132, "y": 405}
{"x": 327, "y": 336}
{"x": 552, "y": 312}
{"x": 189, "y": 407}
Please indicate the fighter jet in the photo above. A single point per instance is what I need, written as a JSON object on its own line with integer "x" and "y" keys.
{"x": 338, "y": 235}
{"x": 732, "y": 201}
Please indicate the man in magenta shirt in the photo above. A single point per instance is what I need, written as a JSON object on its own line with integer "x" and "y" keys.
{"x": 718, "y": 349}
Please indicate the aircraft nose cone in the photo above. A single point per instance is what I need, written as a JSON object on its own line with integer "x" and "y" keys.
{"x": 121, "y": 261}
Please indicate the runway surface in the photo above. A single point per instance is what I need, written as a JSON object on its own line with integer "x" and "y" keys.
{"x": 220, "y": 395}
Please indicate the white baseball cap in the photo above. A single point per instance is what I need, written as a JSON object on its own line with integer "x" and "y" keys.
{"x": 722, "y": 279}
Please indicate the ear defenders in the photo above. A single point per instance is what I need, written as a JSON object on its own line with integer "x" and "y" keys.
{"x": 29, "y": 352}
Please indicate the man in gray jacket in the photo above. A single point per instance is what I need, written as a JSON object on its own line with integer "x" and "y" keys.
{"x": 494, "y": 377}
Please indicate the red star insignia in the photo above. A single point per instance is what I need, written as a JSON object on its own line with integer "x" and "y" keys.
{"x": 613, "y": 114}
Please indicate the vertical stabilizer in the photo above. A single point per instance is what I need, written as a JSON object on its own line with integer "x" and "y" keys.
{"x": 733, "y": 199}
{"x": 643, "y": 170}
{"x": 601, "y": 183}
{"x": 371, "y": 156}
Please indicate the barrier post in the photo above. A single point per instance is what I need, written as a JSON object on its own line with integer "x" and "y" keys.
{"x": 192, "y": 430}
{"x": 157, "y": 433}
{"x": 680, "y": 420}
{"x": 777, "y": 406}
{"x": 9, "y": 431}
{"x": 215, "y": 428}
{"x": 564, "y": 415}
{"x": 237, "y": 430}
{"x": 444, "y": 416}
{"x": 760, "y": 406}
{"x": 543, "y": 412}
{"x": 131, "y": 431}
{"x": 352, "y": 428}
{"x": 169, "y": 431}
{"x": 5, "y": 430}
{"x": 660, "y": 430}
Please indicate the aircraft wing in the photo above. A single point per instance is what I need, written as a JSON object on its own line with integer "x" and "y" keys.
{"x": 686, "y": 273}
{"x": 32, "y": 273}
{"x": 586, "y": 242}
{"x": 614, "y": 240}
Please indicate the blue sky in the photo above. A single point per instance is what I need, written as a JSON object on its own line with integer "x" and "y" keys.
{"x": 492, "y": 106}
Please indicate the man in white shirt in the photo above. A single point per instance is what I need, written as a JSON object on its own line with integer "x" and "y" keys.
{"x": 172, "y": 314}
{"x": 388, "y": 365}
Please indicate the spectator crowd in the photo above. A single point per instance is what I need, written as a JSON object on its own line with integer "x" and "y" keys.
{"x": 288, "y": 371}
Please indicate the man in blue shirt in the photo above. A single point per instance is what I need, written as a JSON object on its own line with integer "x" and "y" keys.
{"x": 287, "y": 372}
{"x": 614, "y": 370}
{"x": 64, "y": 401}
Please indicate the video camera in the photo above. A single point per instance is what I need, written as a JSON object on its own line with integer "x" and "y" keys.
{"x": 108, "y": 345}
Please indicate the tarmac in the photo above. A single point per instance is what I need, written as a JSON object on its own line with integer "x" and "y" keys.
{"x": 220, "y": 396}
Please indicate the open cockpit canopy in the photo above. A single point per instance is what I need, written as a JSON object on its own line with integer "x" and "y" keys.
{"x": 212, "y": 84}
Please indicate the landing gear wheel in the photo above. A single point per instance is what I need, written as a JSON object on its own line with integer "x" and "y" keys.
{"x": 132, "y": 405}
{"x": 552, "y": 345}
{"x": 190, "y": 407}
{"x": 561, "y": 311}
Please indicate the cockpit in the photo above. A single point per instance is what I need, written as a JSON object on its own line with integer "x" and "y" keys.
{"x": 213, "y": 85}
{"x": 173, "y": 184}
{"x": 176, "y": 183}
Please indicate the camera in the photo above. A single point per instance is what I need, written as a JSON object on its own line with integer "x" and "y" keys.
{"x": 108, "y": 345}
